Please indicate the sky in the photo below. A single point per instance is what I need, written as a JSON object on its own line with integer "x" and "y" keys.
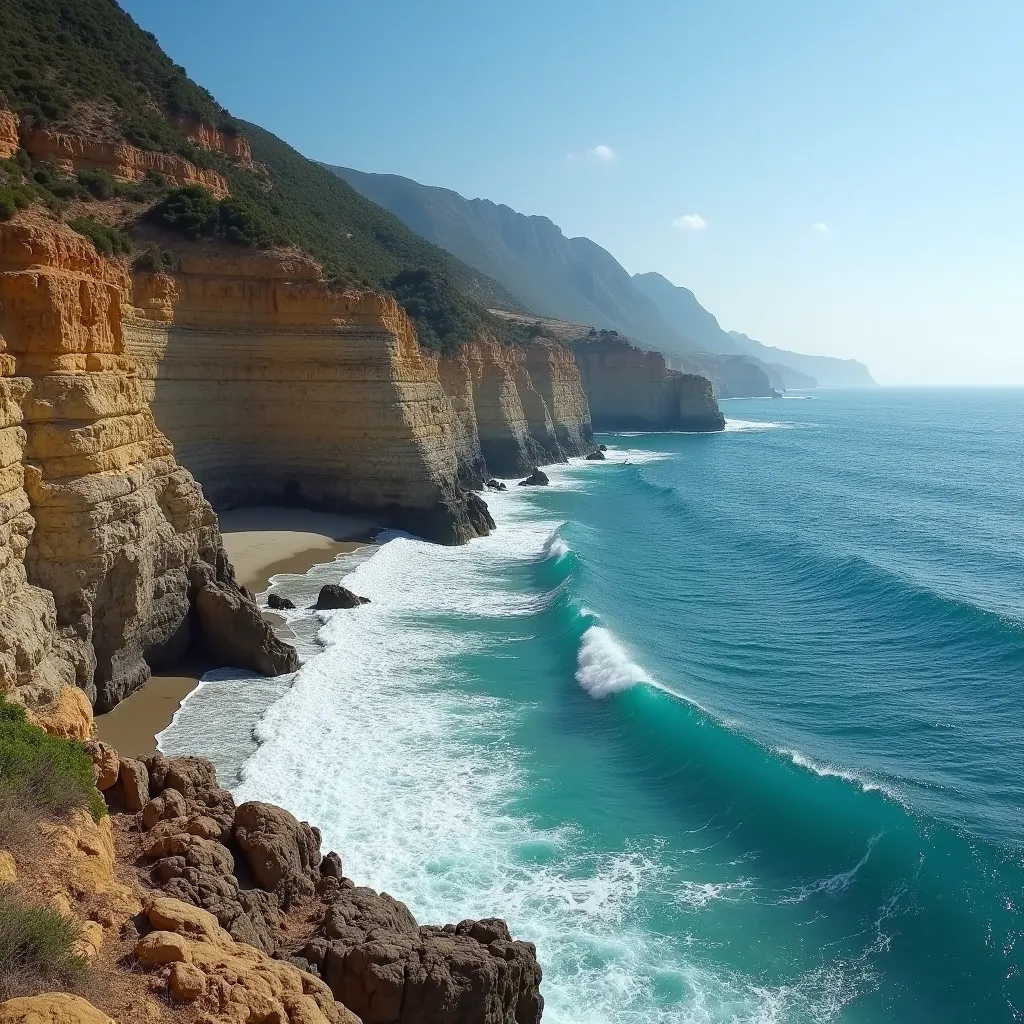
{"x": 841, "y": 177}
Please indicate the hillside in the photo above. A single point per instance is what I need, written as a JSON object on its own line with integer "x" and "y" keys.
{"x": 87, "y": 69}
{"x": 680, "y": 308}
{"x": 566, "y": 278}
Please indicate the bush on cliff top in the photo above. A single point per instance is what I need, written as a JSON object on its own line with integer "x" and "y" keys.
{"x": 40, "y": 776}
{"x": 107, "y": 240}
{"x": 195, "y": 213}
{"x": 37, "y": 948}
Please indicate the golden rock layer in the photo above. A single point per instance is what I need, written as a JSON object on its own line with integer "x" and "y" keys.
{"x": 120, "y": 159}
{"x": 102, "y": 530}
{"x": 8, "y": 134}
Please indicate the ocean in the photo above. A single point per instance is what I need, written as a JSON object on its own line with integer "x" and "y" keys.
{"x": 731, "y": 726}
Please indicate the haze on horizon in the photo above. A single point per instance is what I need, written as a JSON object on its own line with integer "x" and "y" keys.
{"x": 833, "y": 179}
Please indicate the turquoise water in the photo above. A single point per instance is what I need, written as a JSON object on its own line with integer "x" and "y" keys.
{"x": 730, "y": 725}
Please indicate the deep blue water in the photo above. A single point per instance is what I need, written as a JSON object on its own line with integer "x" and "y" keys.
{"x": 731, "y": 725}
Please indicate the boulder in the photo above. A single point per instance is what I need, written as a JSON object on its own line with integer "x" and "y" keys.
{"x": 51, "y": 1008}
{"x": 170, "y": 804}
{"x": 235, "y": 633}
{"x": 496, "y": 485}
{"x": 602, "y": 447}
{"x": 106, "y": 763}
{"x": 535, "y": 479}
{"x": 330, "y": 866}
{"x": 278, "y": 848}
{"x": 186, "y": 982}
{"x": 134, "y": 779}
{"x": 333, "y": 595}
{"x": 159, "y": 948}
{"x": 279, "y": 603}
{"x": 596, "y": 456}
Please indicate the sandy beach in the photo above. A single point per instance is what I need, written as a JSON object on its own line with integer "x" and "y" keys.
{"x": 261, "y": 543}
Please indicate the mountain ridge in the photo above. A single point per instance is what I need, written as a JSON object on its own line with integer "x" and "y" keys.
{"x": 576, "y": 280}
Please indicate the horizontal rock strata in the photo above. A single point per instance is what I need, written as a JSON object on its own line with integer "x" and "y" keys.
{"x": 629, "y": 389}
{"x": 106, "y": 540}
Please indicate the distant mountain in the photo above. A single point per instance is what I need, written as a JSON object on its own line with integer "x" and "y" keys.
{"x": 575, "y": 280}
{"x": 680, "y": 308}
{"x": 566, "y": 278}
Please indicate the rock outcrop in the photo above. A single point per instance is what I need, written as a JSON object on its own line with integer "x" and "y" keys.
{"x": 8, "y": 134}
{"x": 240, "y": 875}
{"x": 106, "y": 540}
{"x": 333, "y": 595}
{"x": 71, "y": 153}
{"x": 234, "y": 147}
{"x": 630, "y": 389}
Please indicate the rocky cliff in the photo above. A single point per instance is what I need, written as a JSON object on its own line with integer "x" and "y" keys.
{"x": 108, "y": 546}
{"x": 273, "y": 388}
{"x": 629, "y": 389}
{"x": 525, "y": 406}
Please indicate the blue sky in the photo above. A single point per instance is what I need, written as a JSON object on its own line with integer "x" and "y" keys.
{"x": 851, "y": 174}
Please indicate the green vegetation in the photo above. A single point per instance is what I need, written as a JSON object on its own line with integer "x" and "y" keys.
{"x": 195, "y": 213}
{"x": 37, "y": 949}
{"x": 40, "y": 775}
{"x": 108, "y": 241}
{"x": 155, "y": 258}
{"x": 55, "y": 52}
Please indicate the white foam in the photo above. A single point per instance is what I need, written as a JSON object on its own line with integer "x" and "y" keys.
{"x": 747, "y": 426}
{"x": 603, "y": 666}
{"x": 867, "y": 785}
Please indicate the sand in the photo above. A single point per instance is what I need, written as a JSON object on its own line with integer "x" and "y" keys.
{"x": 261, "y": 542}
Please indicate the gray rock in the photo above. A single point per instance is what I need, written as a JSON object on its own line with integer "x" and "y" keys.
{"x": 535, "y": 479}
{"x": 333, "y": 595}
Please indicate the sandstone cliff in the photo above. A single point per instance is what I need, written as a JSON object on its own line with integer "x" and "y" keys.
{"x": 8, "y": 134}
{"x": 629, "y": 389}
{"x": 106, "y": 541}
{"x": 234, "y": 147}
{"x": 526, "y": 407}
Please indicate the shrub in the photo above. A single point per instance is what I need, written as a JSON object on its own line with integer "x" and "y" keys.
{"x": 40, "y": 775}
{"x": 154, "y": 258}
{"x": 37, "y": 948}
{"x": 108, "y": 241}
{"x": 97, "y": 183}
{"x": 9, "y": 204}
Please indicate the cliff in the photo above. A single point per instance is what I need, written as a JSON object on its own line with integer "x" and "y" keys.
{"x": 524, "y": 406}
{"x": 108, "y": 545}
{"x": 629, "y": 389}
{"x": 275, "y": 389}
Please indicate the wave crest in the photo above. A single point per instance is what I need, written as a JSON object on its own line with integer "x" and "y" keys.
{"x": 604, "y": 667}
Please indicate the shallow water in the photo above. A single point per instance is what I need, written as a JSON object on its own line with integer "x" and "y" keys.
{"x": 729, "y": 725}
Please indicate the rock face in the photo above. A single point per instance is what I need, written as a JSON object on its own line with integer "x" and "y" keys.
{"x": 629, "y": 389}
{"x": 8, "y": 134}
{"x": 120, "y": 159}
{"x": 276, "y": 390}
{"x": 234, "y": 147}
{"x": 106, "y": 540}
{"x": 517, "y": 407}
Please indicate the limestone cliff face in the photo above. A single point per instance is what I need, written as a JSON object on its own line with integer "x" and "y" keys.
{"x": 106, "y": 539}
{"x": 75, "y": 153}
{"x": 8, "y": 134}
{"x": 629, "y": 389}
{"x": 526, "y": 407}
{"x": 275, "y": 389}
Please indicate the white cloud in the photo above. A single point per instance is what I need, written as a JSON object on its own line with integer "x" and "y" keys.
{"x": 600, "y": 154}
{"x": 820, "y": 226}
{"x": 690, "y": 222}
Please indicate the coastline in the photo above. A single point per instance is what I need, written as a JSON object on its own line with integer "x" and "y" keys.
{"x": 261, "y": 542}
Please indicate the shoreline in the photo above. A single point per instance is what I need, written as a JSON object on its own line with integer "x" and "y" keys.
{"x": 261, "y": 542}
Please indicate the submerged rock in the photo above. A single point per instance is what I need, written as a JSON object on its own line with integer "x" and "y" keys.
{"x": 596, "y": 456}
{"x": 333, "y": 595}
{"x": 535, "y": 479}
{"x": 602, "y": 447}
{"x": 279, "y": 603}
